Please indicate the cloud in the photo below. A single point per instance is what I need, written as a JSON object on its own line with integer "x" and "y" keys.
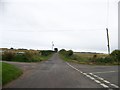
{"x": 72, "y": 24}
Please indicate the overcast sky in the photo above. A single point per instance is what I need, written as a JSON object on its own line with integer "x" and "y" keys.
{"x": 79, "y": 25}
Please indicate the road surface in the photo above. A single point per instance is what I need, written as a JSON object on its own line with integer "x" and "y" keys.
{"x": 56, "y": 73}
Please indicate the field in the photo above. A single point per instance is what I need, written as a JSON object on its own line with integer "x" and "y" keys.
{"x": 90, "y": 55}
{"x": 91, "y": 58}
{"x": 84, "y": 58}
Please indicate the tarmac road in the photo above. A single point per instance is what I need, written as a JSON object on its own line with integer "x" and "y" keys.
{"x": 56, "y": 73}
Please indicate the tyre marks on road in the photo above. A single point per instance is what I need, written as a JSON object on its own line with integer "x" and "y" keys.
{"x": 101, "y": 81}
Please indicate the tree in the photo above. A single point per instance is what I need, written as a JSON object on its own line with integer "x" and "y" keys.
{"x": 12, "y": 48}
{"x": 56, "y": 49}
{"x": 62, "y": 51}
{"x": 70, "y": 52}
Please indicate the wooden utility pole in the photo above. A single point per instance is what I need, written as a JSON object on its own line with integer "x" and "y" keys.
{"x": 108, "y": 41}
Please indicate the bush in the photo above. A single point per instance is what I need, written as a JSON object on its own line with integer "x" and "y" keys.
{"x": 8, "y": 55}
{"x": 107, "y": 59}
{"x": 115, "y": 55}
{"x": 46, "y": 52}
{"x": 62, "y": 51}
{"x": 104, "y": 60}
{"x": 66, "y": 53}
{"x": 29, "y": 56}
{"x": 70, "y": 53}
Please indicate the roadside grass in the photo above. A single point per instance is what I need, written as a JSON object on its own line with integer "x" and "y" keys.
{"x": 90, "y": 59}
{"x": 0, "y": 73}
{"x": 9, "y": 73}
{"x": 46, "y": 57}
{"x": 74, "y": 58}
{"x": 35, "y": 58}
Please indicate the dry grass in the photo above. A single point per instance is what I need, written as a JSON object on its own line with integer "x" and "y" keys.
{"x": 90, "y": 55}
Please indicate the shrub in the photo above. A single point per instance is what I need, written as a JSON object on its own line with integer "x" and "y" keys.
{"x": 20, "y": 58}
{"x": 28, "y": 55}
{"x": 62, "y": 51}
{"x": 115, "y": 55}
{"x": 46, "y": 52}
{"x": 70, "y": 53}
{"x": 8, "y": 55}
{"x": 66, "y": 53}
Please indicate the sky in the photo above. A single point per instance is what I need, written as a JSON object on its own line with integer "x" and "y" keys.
{"x": 79, "y": 25}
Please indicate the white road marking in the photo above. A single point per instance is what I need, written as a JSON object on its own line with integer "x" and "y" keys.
{"x": 85, "y": 73}
{"x": 104, "y": 80}
{"x": 90, "y": 73}
{"x": 105, "y": 72}
{"x": 102, "y": 84}
{"x": 82, "y": 72}
{"x": 97, "y": 81}
{"x": 114, "y": 85}
{"x": 100, "y": 78}
{"x": 95, "y": 76}
{"x": 90, "y": 77}
{"x": 105, "y": 86}
{"x": 74, "y": 68}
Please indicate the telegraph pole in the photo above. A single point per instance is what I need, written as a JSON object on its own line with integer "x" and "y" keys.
{"x": 107, "y": 27}
{"x": 108, "y": 41}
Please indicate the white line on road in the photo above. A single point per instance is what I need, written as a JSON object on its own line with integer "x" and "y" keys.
{"x": 100, "y": 78}
{"x": 104, "y": 80}
{"x": 74, "y": 68}
{"x": 114, "y": 85}
{"x": 105, "y": 86}
{"x": 105, "y": 72}
{"x": 102, "y": 84}
{"x": 97, "y": 81}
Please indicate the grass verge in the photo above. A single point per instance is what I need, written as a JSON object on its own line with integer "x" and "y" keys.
{"x": 9, "y": 73}
{"x": 89, "y": 59}
{"x": 0, "y": 74}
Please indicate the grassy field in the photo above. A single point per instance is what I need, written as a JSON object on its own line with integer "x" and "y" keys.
{"x": 90, "y": 55}
{"x": 9, "y": 73}
{"x": 84, "y": 58}
{"x": 91, "y": 58}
